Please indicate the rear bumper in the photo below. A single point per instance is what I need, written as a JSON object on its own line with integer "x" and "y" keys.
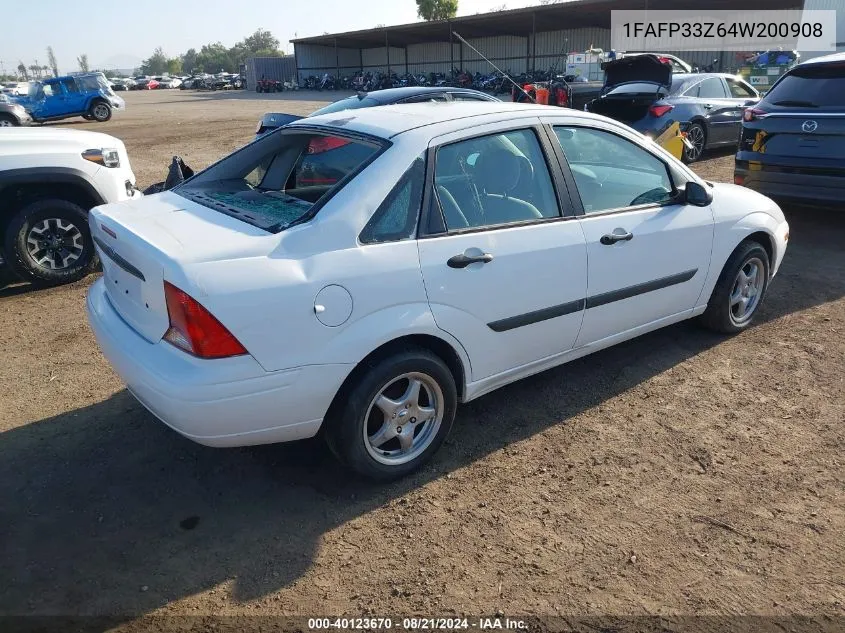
{"x": 223, "y": 402}
{"x": 790, "y": 183}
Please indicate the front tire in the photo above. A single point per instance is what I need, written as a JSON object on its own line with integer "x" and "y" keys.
{"x": 395, "y": 416}
{"x": 47, "y": 243}
{"x": 100, "y": 111}
{"x": 697, "y": 135}
{"x": 7, "y": 120}
{"x": 739, "y": 291}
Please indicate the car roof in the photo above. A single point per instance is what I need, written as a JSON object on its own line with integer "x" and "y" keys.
{"x": 389, "y": 95}
{"x": 391, "y": 120}
{"x": 824, "y": 59}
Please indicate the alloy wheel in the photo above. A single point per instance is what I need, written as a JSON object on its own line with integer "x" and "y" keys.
{"x": 54, "y": 244}
{"x": 747, "y": 290}
{"x": 101, "y": 111}
{"x": 695, "y": 136}
{"x": 403, "y": 418}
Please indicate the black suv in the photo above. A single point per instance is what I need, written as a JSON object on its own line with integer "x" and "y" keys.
{"x": 792, "y": 145}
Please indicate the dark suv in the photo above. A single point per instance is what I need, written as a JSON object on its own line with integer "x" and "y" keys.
{"x": 792, "y": 145}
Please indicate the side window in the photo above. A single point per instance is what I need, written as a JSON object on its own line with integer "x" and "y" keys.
{"x": 70, "y": 85}
{"x": 396, "y": 218}
{"x": 492, "y": 180}
{"x": 52, "y": 89}
{"x": 463, "y": 96}
{"x": 711, "y": 89}
{"x": 739, "y": 90}
{"x": 612, "y": 172}
{"x": 425, "y": 98}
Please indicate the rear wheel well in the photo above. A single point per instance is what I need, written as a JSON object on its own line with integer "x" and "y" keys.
{"x": 435, "y": 345}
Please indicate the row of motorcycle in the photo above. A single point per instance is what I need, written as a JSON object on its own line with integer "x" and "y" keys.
{"x": 497, "y": 83}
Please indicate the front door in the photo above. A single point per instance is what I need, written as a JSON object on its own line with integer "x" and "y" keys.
{"x": 73, "y": 96}
{"x": 648, "y": 254}
{"x": 504, "y": 269}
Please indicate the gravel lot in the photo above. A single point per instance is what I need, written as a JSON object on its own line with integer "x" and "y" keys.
{"x": 680, "y": 473}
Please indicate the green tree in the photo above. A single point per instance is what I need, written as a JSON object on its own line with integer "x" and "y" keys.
{"x": 259, "y": 44}
{"x": 437, "y": 9}
{"x": 215, "y": 57}
{"x": 82, "y": 60}
{"x": 189, "y": 60}
{"x": 156, "y": 64}
{"x": 174, "y": 66}
{"x": 22, "y": 70}
{"x": 51, "y": 60}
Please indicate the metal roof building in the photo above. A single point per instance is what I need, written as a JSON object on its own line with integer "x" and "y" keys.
{"x": 517, "y": 40}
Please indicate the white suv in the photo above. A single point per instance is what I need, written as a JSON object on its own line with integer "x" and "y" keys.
{"x": 49, "y": 180}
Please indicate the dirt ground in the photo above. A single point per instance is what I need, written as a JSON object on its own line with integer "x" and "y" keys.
{"x": 680, "y": 473}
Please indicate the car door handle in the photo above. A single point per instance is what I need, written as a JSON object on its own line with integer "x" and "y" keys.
{"x": 462, "y": 260}
{"x": 708, "y": 106}
{"x": 611, "y": 238}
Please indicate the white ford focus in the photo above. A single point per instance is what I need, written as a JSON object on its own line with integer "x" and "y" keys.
{"x": 362, "y": 272}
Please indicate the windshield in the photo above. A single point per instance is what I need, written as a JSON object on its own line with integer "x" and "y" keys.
{"x": 822, "y": 86}
{"x": 350, "y": 103}
{"x": 280, "y": 179}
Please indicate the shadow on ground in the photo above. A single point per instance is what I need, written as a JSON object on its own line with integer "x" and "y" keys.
{"x": 102, "y": 501}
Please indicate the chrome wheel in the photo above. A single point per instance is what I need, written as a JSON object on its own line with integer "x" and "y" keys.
{"x": 54, "y": 244}
{"x": 747, "y": 290}
{"x": 403, "y": 418}
{"x": 101, "y": 111}
{"x": 6, "y": 123}
{"x": 695, "y": 135}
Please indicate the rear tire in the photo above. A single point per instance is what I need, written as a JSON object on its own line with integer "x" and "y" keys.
{"x": 100, "y": 111}
{"x": 740, "y": 290}
{"x": 391, "y": 442}
{"x": 48, "y": 243}
{"x": 697, "y": 135}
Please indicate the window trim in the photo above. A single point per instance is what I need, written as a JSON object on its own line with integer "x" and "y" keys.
{"x": 390, "y": 198}
{"x": 676, "y": 187}
{"x": 433, "y": 212}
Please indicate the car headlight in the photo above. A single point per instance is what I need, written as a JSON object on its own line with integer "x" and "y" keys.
{"x": 106, "y": 157}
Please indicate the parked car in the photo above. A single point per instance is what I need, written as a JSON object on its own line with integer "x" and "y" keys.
{"x": 253, "y": 304}
{"x": 139, "y": 83}
{"x": 641, "y": 91}
{"x": 89, "y": 96}
{"x": 16, "y": 88}
{"x": 118, "y": 84}
{"x": 13, "y": 114}
{"x": 414, "y": 94}
{"x": 793, "y": 142}
{"x": 151, "y": 84}
{"x": 679, "y": 66}
{"x": 49, "y": 180}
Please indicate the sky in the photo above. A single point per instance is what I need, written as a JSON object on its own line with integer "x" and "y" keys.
{"x": 120, "y": 34}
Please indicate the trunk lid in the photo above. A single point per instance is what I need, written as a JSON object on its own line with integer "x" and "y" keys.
{"x": 142, "y": 242}
{"x": 643, "y": 73}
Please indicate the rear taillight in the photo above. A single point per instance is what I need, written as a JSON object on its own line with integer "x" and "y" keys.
{"x": 739, "y": 180}
{"x": 753, "y": 114}
{"x": 659, "y": 110}
{"x": 195, "y": 330}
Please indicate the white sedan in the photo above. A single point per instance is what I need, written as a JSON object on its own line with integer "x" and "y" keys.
{"x": 362, "y": 272}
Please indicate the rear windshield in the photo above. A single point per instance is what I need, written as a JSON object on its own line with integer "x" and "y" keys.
{"x": 350, "y": 103}
{"x": 281, "y": 179}
{"x": 811, "y": 87}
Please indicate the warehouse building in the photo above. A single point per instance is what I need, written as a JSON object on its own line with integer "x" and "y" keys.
{"x": 517, "y": 41}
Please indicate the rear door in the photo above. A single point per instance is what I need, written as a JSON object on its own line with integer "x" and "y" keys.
{"x": 743, "y": 96}
{"x": 502, "y": 257}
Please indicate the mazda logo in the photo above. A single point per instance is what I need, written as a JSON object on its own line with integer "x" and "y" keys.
{"x": 809, "y": 126}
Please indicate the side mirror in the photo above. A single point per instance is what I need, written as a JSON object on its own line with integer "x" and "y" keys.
{"x": 697, "y": 195}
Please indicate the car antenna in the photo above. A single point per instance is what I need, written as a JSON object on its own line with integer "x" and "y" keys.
{"x": 504, "y": 74}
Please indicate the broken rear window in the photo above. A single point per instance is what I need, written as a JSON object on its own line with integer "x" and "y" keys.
{"x": 280, "y": 179}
